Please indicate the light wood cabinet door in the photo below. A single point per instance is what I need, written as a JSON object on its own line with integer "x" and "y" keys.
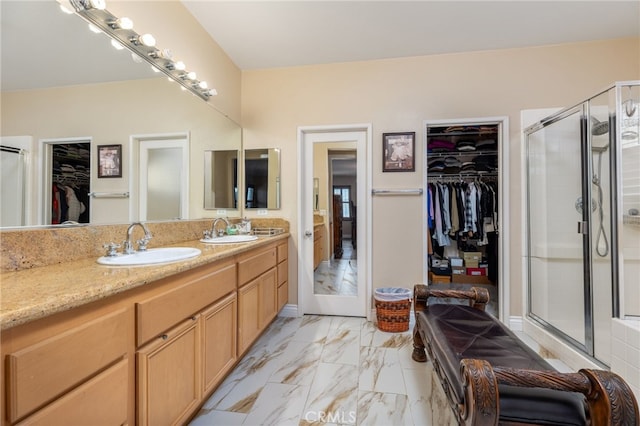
{"x": 169, "y": 376}
{"x": 100, "y": 401}
{"x": 268, "y": 307}
{"x": 248, "y": 314}
{"x": 219, "y": 340}
{"x": 39, "y": 373}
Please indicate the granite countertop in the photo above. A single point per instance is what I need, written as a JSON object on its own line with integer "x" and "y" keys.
{"x": 31, "y": 294}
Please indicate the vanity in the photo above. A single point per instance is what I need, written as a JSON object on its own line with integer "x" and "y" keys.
{"x": 85, "y": 343}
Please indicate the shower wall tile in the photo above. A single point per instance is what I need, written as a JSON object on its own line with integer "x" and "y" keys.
{"x": 626, "y": 352}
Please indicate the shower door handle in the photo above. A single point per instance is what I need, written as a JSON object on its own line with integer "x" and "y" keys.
{"x": 583, "y": 228}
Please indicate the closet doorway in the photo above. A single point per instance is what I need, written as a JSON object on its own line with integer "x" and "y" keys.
{"x": 315, "y": 144}
{"x": 66, "y": 182}
{"x": 466, "y": 213}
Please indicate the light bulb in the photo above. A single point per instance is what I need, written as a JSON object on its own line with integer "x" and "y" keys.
{"x": 94, "y": 29}
{"x": 180, "y": 66}
{"x": 147, "y": 39}
{"x": 96, "y": 4}
{"x": 203, "y": 85}
{"x": 116, "y": 44}
{"x": 124, "y": 23}
{"x": 66, "y": 9}
{"x": 191, "y": 75}
{"x": 212, "y": 92}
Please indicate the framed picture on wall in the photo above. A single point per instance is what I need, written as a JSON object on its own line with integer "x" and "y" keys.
{"x": 398, "y": 152}
{"x": 109, "y": 161}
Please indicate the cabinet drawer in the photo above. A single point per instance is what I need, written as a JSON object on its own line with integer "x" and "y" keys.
{"x": 42, "y": 372}
{"x": 256, "y": 264}
{"x": 283, "y": 272}
{"x": 100, "y": 401}
{"x": 283, "y": 252}
{"x": 163, "y": 311}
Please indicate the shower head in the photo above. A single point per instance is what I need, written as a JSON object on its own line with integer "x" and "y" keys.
{"x": 599, "y": 128}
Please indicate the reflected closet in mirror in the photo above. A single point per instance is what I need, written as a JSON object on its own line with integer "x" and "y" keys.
{"x": 262, "y": 178}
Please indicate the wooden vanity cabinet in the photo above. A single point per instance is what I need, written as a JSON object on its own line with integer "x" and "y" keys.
{"x": 71, "y": 368}
{"x": 219, "y": 342}
{"x": 147, "y": 356}
{"x": 188, "y": 331}
{"x": 257, "y": 294}
{"x": 283, "y": 274}
{"x": 169, "y": 375}
{"x": 318, "y": 245}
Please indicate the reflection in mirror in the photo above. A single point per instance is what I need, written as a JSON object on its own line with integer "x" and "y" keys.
{"x": 106, "y": 98}
{"x": 262, "y": 178}
{"x": 316, "y": 194}
{"x": 221, "y": 179}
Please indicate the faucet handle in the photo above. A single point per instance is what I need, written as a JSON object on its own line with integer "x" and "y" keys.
{"x": 142, "y": 244}
{"x": 206, "y": 234}
{"x": 111, "y": 249}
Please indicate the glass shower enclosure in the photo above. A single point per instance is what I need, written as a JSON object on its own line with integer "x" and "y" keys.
{"x": 578, "y": 165}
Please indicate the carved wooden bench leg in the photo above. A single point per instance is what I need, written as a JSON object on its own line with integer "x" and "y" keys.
{"x": 418, "y": 354}
{"x": 420, "y": 297}
{"x": 481, "y": 402}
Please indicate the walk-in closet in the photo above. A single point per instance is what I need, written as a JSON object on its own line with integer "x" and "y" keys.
{"x": 70, "y": 177}
{"x": 463, "y": 194}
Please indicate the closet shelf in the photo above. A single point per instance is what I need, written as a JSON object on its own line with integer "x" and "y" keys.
{"x": 460, "y": 154}
{"x": 463, "y": 133}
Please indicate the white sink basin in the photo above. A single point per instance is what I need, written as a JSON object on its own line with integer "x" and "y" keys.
{"x": 151, "y": 256}
{"x": 229, "y": 239}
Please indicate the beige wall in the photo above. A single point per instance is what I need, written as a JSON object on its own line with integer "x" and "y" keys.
{"x": 398, "y": 95}
{"x": 175, "y": 28}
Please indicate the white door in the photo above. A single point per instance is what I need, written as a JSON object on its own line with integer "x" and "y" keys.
{"x": 310, "y": 301}
{"x": 164, "y": 179}
{"x": 14, "y": 180}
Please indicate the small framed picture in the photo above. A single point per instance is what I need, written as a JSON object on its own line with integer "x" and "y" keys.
{"x": 109, "y": 161}
{"x": 398, "y": 152}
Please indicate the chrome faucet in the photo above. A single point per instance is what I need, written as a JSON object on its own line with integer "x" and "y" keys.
{"x": 219, "y": 233}
{"x": 142, "y": 244}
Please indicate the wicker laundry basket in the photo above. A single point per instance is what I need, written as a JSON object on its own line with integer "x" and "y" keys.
{"x": 393, "y": 307}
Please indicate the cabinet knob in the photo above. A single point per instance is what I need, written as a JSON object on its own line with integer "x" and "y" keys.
{"x": 164, "y": 337}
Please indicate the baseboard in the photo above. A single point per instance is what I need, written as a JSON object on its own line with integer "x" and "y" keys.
{"x": 289, "y": 310}
{"x": 515, "y": 323}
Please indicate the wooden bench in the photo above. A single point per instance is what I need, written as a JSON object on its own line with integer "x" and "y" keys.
{"x": 491, "y": 377}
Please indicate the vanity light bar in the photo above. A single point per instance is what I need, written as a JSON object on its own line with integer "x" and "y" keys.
{"x": 95, "y": 12}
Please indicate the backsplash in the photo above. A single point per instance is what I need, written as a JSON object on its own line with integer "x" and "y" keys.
{"x": 36, "y": 247}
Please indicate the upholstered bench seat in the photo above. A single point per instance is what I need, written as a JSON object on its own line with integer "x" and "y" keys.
{"x": 466, "y": 332}
{"x": 491, "y": 377}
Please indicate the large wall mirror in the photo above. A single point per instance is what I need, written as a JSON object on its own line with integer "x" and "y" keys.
{"x": 221, "y": 179}
{"x": 61, "y": 83}
{"x": 262, "y": 178}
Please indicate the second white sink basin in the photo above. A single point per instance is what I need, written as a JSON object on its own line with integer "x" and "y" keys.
{"x": 229, "y": 239}
{"x": 151, "y": 256}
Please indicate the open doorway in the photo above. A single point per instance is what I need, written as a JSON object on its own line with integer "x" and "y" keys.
{"x": 338, "y": 273}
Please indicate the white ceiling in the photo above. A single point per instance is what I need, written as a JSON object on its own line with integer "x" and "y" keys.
{"x": 268, "y": 34}
{"x": 41, "y": 47}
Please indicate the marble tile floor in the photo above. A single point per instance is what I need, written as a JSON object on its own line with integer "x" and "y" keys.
{"x": 339, "y": 276}
{"x": 323, "y": 370}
